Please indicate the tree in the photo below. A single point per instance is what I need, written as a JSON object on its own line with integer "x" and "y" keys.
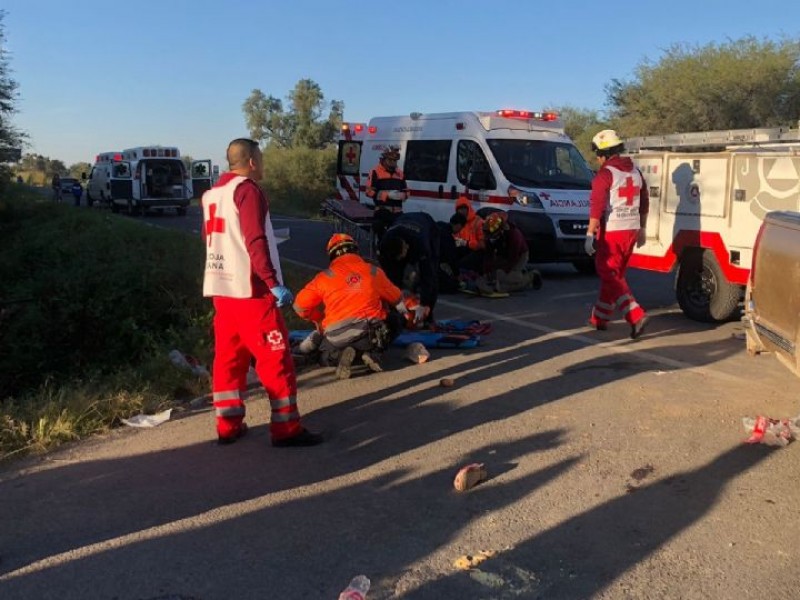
{"x": 56, "y": 167}
{"x": 78, "y": 169}
{"x": 739, "y": 84}
{"x": 581, "y": 124}
{"x": 10, "y": 137}
{"x": 302, "y": 124}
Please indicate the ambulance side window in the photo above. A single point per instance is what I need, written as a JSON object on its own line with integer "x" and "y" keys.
{"x": 427, "y": 160}
{"x": 471, "y": 159}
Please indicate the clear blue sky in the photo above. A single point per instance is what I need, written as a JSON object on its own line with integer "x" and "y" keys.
{"x": 99, "y": 76}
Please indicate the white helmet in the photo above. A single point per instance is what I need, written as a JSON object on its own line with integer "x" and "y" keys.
{"x": 605, "y": 139}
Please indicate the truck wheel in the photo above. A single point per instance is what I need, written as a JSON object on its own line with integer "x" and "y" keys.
{"x": 703, "y": 292}
{"x": 135, "y": 211}
{"x": 586, "y": 266}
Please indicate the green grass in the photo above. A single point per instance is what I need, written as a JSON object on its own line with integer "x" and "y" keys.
{"x": 90, "y": 307}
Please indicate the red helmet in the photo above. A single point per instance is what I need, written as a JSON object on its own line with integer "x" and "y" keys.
{"x": 339, "y": 244}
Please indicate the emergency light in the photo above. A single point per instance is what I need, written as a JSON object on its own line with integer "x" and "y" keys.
{"x": 510, "y": 113}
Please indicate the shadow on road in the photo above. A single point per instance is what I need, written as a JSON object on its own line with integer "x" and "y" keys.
{"x": 321, "y": 531}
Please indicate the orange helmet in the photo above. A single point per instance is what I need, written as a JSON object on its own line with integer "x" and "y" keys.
{"x": 339, "y": 244}
{"x": 495, "y": 223}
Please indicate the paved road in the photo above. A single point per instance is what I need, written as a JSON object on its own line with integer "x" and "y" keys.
{"x": 616, "y": 471}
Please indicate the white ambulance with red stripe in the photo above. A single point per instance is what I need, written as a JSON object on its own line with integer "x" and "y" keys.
{"x": 518, "y": 161}
{"x": 145, "y": 177}
{"x": 709, "y": 192}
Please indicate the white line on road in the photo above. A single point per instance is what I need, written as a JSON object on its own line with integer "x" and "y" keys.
{"x": 618, "y": 346}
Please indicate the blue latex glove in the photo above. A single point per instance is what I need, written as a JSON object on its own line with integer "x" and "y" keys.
{"x": 282, "y": 294}
{"x": 588, "y": 245}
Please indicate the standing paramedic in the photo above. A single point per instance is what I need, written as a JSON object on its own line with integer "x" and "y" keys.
{"x": 243, "y": 277}
{"x": 387, "y": 188}
{"x": 617, "y": 220}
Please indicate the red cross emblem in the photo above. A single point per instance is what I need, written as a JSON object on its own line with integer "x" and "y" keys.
{"x": 351, "y": 155}
{"x": 629, "y": 192}
{"x": 275, "y": 337}
{"x": 214, "y": 224}
{"x": 544, "y": 195}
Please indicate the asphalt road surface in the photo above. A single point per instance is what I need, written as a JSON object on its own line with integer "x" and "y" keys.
{"x": 616, "y": 470}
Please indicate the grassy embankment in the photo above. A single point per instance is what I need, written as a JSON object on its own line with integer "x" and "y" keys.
{"x": 90, "y": 306}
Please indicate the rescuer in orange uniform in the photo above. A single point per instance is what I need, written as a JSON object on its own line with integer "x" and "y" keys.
{"x": 357, "y": 321}
{"x": 471, "y": 235}
{"x": 618, "y": 209}
{"x": 387, "y": 188}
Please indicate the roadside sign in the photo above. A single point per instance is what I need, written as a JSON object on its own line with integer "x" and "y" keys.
{"x": 10, "y": 154}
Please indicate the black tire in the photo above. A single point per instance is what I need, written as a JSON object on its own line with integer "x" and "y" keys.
{"x": 89, "y": 200}
{"x": 585, "y": 266}
{"x": 702, "y": 291}
{"x": 135, "y": 210}
{"x": 181, "y": 211}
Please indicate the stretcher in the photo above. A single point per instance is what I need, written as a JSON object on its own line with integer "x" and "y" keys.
{"x": 429, "y": 339}
{"x": 352, "y": 218}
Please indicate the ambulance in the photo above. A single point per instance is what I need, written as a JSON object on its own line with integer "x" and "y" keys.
{"x": 147, "y": 177}
{"x": 709, "y": 193}
{"x": 518, "y": 161}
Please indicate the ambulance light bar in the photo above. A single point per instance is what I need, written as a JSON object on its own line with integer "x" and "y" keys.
{"x": 510, "y": 113}
{"x": 160, "y": 152}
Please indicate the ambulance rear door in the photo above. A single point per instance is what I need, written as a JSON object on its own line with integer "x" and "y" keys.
{"x": 200, "y": 172}
{"x": 349, "y": 182}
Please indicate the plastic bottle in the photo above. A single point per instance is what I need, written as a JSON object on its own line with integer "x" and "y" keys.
{"x": 357, "y": 590}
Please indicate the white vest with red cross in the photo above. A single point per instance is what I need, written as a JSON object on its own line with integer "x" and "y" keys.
{"x": 622, "y": 210}
{"x": 228, "y": 267}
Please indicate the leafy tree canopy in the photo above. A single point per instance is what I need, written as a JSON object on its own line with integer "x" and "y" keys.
{"x": 739, "y": 84}
{"x": 301, "y": 124}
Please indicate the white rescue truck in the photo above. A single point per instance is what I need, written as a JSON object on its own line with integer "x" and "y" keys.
{"x": 518, "y": 161}
{"x": 145, "y": 177}
{"x": 709, "y": 192}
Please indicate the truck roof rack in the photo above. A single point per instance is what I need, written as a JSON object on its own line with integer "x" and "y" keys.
{"x": 713, "y": 139}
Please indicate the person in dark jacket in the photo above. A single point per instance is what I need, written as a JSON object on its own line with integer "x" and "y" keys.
{"x": 506, "y": 258}
{"x": 413, "y": 241}
{"x": 387, "y": 187}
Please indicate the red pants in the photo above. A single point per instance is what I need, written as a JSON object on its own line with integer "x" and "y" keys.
{"x": 253, "y": 328}
{"x": 614, "y": 249}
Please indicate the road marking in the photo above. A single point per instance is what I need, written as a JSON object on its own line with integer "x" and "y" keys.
{"x": 621, "y": 347}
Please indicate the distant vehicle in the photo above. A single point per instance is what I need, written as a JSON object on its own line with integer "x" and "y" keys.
{"x": 772, "y": 303}
{"x": 518, "y": 161}
{"x": 145, "y": 177}
{"x": 66, "y": 183}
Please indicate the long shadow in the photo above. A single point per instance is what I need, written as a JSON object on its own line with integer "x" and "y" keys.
{"x": 56, "y": 510}
{"x": 303, "y": 547}
{"x": 601, "y": 544}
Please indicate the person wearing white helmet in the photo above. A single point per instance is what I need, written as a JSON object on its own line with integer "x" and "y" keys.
{"x": 618, "y": 210}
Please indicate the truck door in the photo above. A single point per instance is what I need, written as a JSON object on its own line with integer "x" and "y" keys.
{"x": 201, "y": 177}
{"x": 761, "y": 183}
{"x": 652, "y": 168}
{"x": 348, "y": 165}
{"x": 121, "y": 184}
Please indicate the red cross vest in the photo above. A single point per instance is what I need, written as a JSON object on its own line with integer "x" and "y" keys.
{"x": 622, "y": 210}
{"x": 228, "y": 267}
